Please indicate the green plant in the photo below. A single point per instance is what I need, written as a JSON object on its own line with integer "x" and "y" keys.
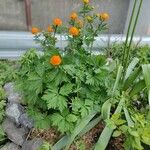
{"x": 115, "y": 51}
{"x": 131, "y": 30}
{"x": 62, "y": 87}
{"x": 45, "y": 146}
{"x": 138, "y": 134}
{"x": 2, "y": 103}
{"x": 72, "y": 89}
{"x": 80, "y": 144}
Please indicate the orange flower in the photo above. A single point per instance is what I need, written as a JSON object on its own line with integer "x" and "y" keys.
{"x": 104, "y": 16}
{"x": 74, "y": 16}
{"x": 55, "y": 60}
{"x": 74, "y": 31}
{"x": 85, "y": 1}
{"x": 35, "y": 30}
{"x": 57, "y": 22}
{"x": 50, "y": 29}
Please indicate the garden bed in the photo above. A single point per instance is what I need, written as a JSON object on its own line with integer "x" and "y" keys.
{"x": 88, "y": 140}
{"x": 71, "y": 98}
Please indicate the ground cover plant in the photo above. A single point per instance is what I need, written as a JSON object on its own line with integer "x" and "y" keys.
{"x": 73, "y": 89}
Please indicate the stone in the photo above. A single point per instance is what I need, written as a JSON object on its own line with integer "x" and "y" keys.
{"x": 12, "y": 95}
{"x": 10, "y": 146}
{"x": 14, "y": 98}
{"x": 14, "y": 111}
{"x": 34, "y": 144}
{"x": 14, "y": 134}
{"x": 25, "y": 121}
{"x": 9, "y": 88}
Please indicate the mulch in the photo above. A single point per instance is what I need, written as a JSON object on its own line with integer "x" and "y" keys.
{"x": 89, "y": 139}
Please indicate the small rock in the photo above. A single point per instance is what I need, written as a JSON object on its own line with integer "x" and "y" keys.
{"x": 25, "y": 121}
{"x": 34, "y": 144}
{"x": 9, "y": 88}
{"x": 14, "y": 111}
{"x": 12, "y": 95}
{"x": 16, "y": 135}
{"x": 14, "y": 98}
{"x": 10, "y": 146}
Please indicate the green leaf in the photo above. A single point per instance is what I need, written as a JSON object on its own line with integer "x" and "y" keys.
{"x": 106, "y": 110}
{"x": 107, "y": 132}
{"x": 135, "y": 74}
{"x": 133, "y": 133}
{"x": 2, "y": 104}
{"x": 128, "y": 118}
{"x": 71, "y": 118}
{"x": 55, "y": 101}
{"x": 61, "y": 143}
{"x": 82, "y": 107}
{"x": 146, "y": 136}
{"x": 2, "y": 134}
{"x": 45, "y": 146}
{"x": 138, "y": 87}
{"x": 80, "y": 126}
{"x": 104, "y": 139}
{"x": 66, "y": 89}
{"x": 41, "y": 120}
{"x": 62, "y": 123}
{"x": 118, "y": 78}
{"x": 117, "y": 133}
{"x": 90, "y": 125}
{"x": 131, "y": 67}
{"x": 146, "y": 73}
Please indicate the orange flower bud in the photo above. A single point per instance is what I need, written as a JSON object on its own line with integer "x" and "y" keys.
{"x": 74, "y": 16}
{"x": 85, "y": 1}
{"x": 50, "y": 29}
{"x": 57, "y": 22}
{"x": 89, "y": 18}
{"x": 74, "y": 31}
{"x": 80, "y": 23}
{"x": 104, "y": 16}
{"x": 55, "y": 60}
{"x": 35, "y": 30}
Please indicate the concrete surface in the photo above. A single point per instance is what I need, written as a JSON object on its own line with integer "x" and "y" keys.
{"x": 12, "y": 12}
{"x": 12, "y": 15}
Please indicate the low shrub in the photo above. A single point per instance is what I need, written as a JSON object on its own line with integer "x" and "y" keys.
{"x": 61, "y": 87}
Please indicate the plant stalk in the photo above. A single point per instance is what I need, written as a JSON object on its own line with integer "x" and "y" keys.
{"x": 133, "y": 31}
{"x": 128, "y": 31}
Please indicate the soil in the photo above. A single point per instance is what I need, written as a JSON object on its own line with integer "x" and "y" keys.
{"x": 88, "y": 140}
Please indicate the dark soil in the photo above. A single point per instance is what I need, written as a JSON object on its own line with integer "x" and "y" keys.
{"x": 89, "y": 139}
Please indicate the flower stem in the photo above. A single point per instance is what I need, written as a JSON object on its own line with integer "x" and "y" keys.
{"x": 55, "y": 31}
{"x": 128, "y": 31}
{"x": 133, "y": 31}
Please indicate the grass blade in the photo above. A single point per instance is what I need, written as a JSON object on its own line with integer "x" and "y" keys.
{"x": 132, "y": 78}
{"x": 146, "y": 73}
{"x": 61, "y": 143}
{"x": 119, "y": 73}
{"x": 92, "y": 124}
{"x": 131, "y": 67}
{"x": 107, "y": 132}
{"x": 83, "y": 123}
{"x": 138, "y": 87}
{"x": 106, "y": 110}
{"x": 128, "y": 118}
